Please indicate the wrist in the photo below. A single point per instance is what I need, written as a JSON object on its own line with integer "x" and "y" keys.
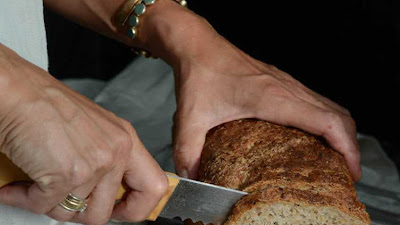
{"x": 176, "y": 32}
{"x": 172, "y": 32}
{"x": 183, "y": 39}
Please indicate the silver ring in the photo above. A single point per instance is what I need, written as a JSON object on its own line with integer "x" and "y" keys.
{"x": 73, "y": 203}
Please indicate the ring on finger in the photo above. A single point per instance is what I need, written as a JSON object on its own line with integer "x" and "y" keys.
{"x": 73, "y": 203}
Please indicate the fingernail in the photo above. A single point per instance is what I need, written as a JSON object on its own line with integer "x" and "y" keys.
{"x": 184, "y": 174}
{"x": 359, "y": 173}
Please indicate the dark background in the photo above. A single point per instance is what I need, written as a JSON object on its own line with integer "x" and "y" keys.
{"x": 347, "y": 50}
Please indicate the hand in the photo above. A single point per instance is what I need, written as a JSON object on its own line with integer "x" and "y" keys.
{"x": 219, "y": 83}
{"x": 68, "y": 144}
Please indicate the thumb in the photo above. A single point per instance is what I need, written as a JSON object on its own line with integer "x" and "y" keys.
{"x": 189, "y": 139}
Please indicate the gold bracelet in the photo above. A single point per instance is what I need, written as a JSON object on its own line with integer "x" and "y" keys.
{"x": 128, "y": 16}
{"x": 123, "y": 13}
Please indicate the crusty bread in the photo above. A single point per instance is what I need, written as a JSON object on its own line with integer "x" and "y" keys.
{"x": 292, "y": 177}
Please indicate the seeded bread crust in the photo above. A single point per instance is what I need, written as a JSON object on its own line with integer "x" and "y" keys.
{"x": 278, "y": 164}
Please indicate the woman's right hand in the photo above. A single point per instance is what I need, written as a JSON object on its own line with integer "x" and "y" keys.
{"x": 68, "y": 144}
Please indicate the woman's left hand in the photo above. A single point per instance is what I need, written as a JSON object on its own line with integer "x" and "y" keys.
{"x": 220, "y": 83}
{"x": 216, "y": 83}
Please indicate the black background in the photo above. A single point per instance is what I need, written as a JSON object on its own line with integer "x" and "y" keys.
{"x": 347, "y": 50}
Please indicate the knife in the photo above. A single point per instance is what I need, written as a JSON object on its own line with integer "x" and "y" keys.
{"x": 186, "y": 199}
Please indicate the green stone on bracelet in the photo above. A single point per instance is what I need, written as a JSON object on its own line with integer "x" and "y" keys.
{"x": 149, "y": 2}
{"x": 139, "y": 9}
{"x": 131, "y": 32}
{"x": 133, "y": 21}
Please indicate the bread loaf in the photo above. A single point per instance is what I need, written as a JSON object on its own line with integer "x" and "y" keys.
{"x": 292, "y": 177}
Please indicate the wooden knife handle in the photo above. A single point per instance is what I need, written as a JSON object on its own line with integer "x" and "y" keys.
{"x": 10, "y": 173}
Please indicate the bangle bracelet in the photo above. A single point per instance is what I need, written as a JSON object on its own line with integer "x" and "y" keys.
{"x": 133, "y": 19}
{"x": 128, "y": 16}
{"x": 123, "y": 13}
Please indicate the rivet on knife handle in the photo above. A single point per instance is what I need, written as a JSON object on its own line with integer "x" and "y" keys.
{"x": 10, "y": 173}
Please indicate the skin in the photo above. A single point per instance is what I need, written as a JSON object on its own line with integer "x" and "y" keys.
{"x": 66, "y": 143}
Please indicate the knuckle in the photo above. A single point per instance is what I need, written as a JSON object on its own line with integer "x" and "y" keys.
{"x": 126, "y": 137}
{"x": 334, "y": 119}
{"x": 160, "y": 187}
{"x": 109, "y": 154}
{"x": 341, "y": 127}
{"x": 333, "y": 124}
{"x": 119, "y": 144}
{"x": 130, "y": 130}
{"x": 78, "y": 174}
{"x": 53, "y": 186}
{"x": 122, "y": 142}
{"x": 274, "y": 87}
{"x": 49, "y": 181}
{"x": 104, "y": 160}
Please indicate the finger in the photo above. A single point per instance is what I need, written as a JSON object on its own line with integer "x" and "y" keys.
{"x": 337, "y": 129}
{"x": 148, "y": 184}
{"x": 82, "y": 192}
{"x": 188, "y": 145}
{"x": 101, "y": 201}
{"x": 34, "y": 198}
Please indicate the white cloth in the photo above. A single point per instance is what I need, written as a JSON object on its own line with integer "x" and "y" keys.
{"x": 22, "y": 30}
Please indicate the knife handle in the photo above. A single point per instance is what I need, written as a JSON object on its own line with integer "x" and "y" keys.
{"x": 10, "y": 173}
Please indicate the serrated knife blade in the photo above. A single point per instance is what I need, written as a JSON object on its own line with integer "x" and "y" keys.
{"x": 200, "y": 201}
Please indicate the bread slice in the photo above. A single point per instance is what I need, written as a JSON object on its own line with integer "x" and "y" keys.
{"x": 293, "y": 178}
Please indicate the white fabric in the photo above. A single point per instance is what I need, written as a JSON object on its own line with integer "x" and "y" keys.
{"x": 14, "y": 216}
{"x": 22, "y": 29}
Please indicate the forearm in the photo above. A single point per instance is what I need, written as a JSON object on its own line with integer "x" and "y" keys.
{"x": 9, "y": 86}
{"x": 167, "y": 29}
{"x": 7, "y": 80}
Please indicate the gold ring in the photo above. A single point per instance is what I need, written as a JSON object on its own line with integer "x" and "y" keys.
{"x": 74, "y": 204}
